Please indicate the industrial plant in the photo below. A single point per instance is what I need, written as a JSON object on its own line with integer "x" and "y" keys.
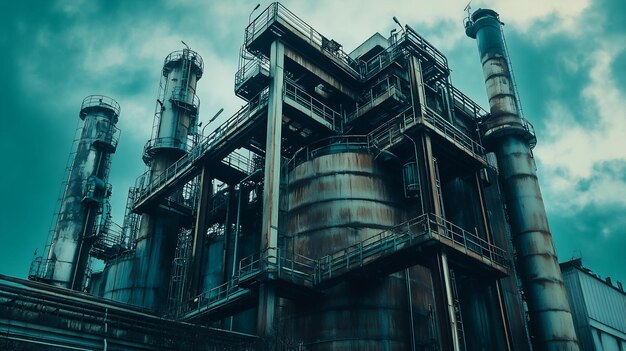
{"x": 357, "y": 201}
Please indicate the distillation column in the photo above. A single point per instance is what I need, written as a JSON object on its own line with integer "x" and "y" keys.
{"x": 85, "y": 193}
{"x": 143, "y": 278}
{"x": 176, "y": 120}
{"x": 508, "y": 135}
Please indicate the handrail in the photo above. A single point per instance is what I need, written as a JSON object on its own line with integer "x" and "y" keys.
{"x": 258, "y": 62}
{"x": 389, "y": 85}
{"x": 100, "y": 101}
{"x": 454, "y": 133}
{"x": 465, "y": 102}
{"x": 277, "y": 11}
{"x": 425, "y": 47}
{"x": 308, "y": 152}
{"x": 305, "y": 99}
{"x": 147, "y": 187}
{"x": 310, "y": 272}
{"x": 186, "y": 96}
{"x": 386, "y": 134}
{"x": 389, "y": 133}
{"x": 391, "y": 240}
{"x": 109, "y": 136}
{"x": 186, "y": 54}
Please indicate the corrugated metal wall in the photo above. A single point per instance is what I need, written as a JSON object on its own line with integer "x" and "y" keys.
{"x": 599, "y": 311}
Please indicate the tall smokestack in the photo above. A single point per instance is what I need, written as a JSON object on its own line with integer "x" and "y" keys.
{"x": 507, "y": 134}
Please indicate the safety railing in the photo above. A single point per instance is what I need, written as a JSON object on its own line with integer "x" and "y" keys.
{"x": 41, "y": 268}
{"x": 531, "y": 137}
{"x": 391, "y": 132}
{"x": 388, "y": 86}
{"x": 216, "y": 296}
{"x": 308, "y": 272}
{"x": 99, "y": 101}
{"x": 340, "y": 142}
{"x": 277, "y": 12}
{"x": 381, "y": 61}
{"x": 361, "y": 70}
{"x": 239, "y": 162}
{"x": 108, "y": 240}
{"x": 108, "y": 136}
{"x": 426, "y": 49}
{"x": 454, "y": 134}
{"x": 294, "y": 267}
{"x": 186, "y": 54}
{"x": 233, "y": 125}
{"x": 183, "y": 96}
{"x": 252, "y": 67}
{"x": 421, "y": 228}
{"x": 411, "y": 40}
{"x": 466, "y": 104}
{"x": 313, "y": 105}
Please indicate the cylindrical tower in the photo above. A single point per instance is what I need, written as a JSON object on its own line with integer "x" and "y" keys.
{"x": 85, "y": 193}
{"x": 508, "y": 136}
{"x": 176, "y": 114}
{"x": 338, "y": 199}
{"x": 143, "y": 278}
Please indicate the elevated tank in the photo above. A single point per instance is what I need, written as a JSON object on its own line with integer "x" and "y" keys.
{"x": 337, "y": 200}
{"x": 85, "y": 192}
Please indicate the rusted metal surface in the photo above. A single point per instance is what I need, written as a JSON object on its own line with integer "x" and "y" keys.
{"x": 44, "y": 317}
{"x": 507, "y": 134}
{"x": 509, "y": 289}
{"x": 142, "y": 278}
{"x": 335, "y": 201}
{"x": 85, "y": 192}
{"x": 271, "y": 185}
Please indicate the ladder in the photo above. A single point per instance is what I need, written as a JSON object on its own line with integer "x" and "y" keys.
{"x": 457, "y": 312}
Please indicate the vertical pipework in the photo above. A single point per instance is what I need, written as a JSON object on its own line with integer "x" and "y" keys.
{"x": 506, "y": 134}
{"x": 85, "y": 193}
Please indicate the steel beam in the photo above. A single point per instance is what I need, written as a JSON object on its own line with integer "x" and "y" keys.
{"x": 271, "y": 185}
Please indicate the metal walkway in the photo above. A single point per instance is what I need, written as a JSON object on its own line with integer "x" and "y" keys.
{"x": 393, "y": 132}
{"x": 386, "y": 252}
{"x": 228, "y": 137}
{"x": 217, "y": 144}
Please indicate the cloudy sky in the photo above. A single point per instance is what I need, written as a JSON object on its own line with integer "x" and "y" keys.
{"x": 569, "y": 57}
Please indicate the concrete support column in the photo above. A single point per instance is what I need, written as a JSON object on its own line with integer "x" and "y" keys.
{"x": 271, "y": 187}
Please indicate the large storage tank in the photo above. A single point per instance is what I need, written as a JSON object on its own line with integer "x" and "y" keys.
{"x": 337, "y": 199}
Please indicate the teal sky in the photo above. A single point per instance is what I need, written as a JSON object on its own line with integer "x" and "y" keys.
{"x": 569, "y": 57}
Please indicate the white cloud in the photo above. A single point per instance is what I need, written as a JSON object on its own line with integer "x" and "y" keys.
{"x": 572, "y": 152}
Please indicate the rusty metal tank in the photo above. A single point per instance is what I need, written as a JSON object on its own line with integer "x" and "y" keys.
{"x": 337, "y": 199}
{"x": 137, "y": 277}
